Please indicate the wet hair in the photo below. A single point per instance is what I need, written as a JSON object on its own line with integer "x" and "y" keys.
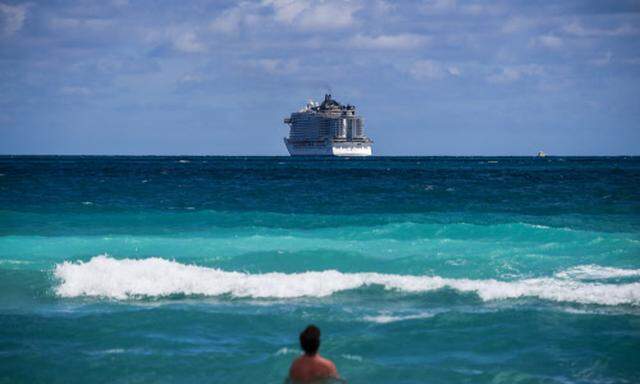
{"x": 310, "y": 340}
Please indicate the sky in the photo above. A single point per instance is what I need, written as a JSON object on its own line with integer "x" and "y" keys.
{"x": 430, "y": 77}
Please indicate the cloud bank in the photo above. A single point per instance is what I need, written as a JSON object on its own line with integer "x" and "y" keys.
{"x": 207, "y": 77}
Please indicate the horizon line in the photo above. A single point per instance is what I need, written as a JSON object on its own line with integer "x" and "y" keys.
{"x": 297, "y": 157}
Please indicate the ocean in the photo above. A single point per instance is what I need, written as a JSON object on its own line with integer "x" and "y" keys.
{"x": 416, "y": 269}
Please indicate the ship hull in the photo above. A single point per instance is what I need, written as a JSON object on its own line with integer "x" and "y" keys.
{"x": 330, "y": 149}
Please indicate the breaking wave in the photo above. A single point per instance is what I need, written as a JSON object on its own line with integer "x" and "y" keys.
{"x": 104, "y": 276}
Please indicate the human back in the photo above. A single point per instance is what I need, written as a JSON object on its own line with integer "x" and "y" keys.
{"x": 311, "y": 367}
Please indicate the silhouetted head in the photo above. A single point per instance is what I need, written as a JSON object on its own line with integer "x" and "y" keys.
{"x": 310, "y": 340}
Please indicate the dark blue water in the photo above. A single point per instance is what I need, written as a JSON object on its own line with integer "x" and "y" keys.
{"x": 434, "y": 270}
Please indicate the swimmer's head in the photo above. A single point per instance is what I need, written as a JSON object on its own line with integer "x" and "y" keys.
{"x": 310, "y": 340}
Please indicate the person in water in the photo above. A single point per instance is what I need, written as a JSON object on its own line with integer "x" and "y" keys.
{"x": 311, "y": 366}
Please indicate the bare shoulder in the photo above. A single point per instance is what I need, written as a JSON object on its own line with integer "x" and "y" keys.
{"x": 298, "y": 360}
{"x": 307, "y": 368}
{"x": 296, "y": 364}
{"x": 329, "y": 365}
{"x": 326, "y": 361}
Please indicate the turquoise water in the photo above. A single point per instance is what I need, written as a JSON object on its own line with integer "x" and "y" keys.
{"x": 417, "y": 270}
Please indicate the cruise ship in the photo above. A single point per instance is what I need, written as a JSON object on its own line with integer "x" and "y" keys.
{"x": 328, "y": 129}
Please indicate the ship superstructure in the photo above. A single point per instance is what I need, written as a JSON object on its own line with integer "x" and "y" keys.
{"x": 328, "y": 129}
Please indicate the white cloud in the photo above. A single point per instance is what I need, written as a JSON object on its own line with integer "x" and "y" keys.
{"x": 187, "y": 42}
{"x": 229, "y": 21}
{"x": 530, "y": 23}
{"x": 548, "y": 41}
{"x": 451, "y": 6}
{"x": 516, "y": 24}
{"x": 382, "y": 7}
{"x": 302, "y": 14}
{"x": 401, "y": 41}
{"x": 179, "y": 38}
{"x": 482, "y": 9}
{"x": 287, "y": 11}
{"x": 577, "y": 29}
{"x": 11, "y": 18}
{"x": 316, "y": 14}
{"x": 428, "y": 70}
{"x": 328, "y": 16}
{"x": 438, "y": 6}
{"x": 191, "y": 79}
{"x": 73, "y": 23}
{"x": 514, "y": 73}
{"x": 454, "y": 71}
{"x": 274, "y": 66}
{"x": 233, "y": 19}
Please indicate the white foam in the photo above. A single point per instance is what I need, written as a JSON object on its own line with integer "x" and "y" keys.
{"x": 113, "y": 351}
{"x": 103, "y": 276}
{"x": 287, "y": 351}
{"x": 597, "y": 272}
{"x": 384, "y": 319}
{"x": 9, "y": 261}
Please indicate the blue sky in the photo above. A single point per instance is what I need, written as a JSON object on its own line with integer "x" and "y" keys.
{"x": 440, "y": 77}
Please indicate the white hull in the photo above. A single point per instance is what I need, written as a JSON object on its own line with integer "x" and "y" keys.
{"x": 335, "y": 149}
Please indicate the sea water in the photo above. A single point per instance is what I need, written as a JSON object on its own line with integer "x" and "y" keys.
{"x": 417, "y": 270}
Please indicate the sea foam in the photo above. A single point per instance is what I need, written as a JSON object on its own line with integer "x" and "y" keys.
{"x": 104, "y": 276}
{"x": 387, "y": 318}
{"x": 597, "y": 272}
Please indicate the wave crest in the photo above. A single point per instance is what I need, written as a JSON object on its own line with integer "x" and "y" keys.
{"x": 104, "y": 276}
